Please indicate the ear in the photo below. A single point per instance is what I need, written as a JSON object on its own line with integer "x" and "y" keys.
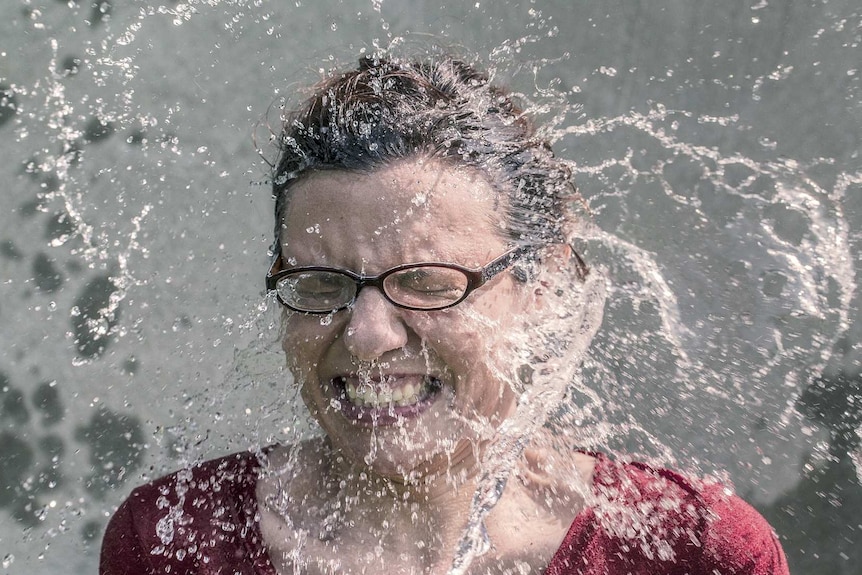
{"x": 556, "y": 260}
{"x": 561, "y": 289}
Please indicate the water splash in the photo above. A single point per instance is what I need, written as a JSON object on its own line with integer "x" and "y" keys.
{"x": 784, "y": 236}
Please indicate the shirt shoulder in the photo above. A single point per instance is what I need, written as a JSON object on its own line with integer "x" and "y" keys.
{"x": 202, "y": 515}
{"x": 645, "y": 520}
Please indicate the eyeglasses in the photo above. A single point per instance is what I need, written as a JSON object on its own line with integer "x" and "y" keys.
{"x": 422, "y": 286}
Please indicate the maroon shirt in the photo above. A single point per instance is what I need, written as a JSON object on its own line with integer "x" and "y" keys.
{"x": 643, "y": 521}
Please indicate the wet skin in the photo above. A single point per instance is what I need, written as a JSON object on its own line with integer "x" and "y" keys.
{"x": 369, "y": 223}
{"x": 402, "y": 474}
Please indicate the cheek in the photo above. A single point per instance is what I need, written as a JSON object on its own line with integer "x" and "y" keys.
{"x": 468, "y": 341}
{"x": 304, "y": 342}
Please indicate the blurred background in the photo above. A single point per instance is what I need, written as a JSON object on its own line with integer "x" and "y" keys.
{"x": 717, "y": 145}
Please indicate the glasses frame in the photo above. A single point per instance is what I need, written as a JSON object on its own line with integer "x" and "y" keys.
{"x": 476, "y": 278}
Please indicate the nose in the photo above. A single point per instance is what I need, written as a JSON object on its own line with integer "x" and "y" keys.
{"x": 375, "y": 326}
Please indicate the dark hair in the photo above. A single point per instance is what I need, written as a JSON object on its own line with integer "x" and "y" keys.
{"x": 442, "y": 108}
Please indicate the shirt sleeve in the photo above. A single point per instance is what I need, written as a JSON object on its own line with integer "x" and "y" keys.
{"x": 739, "y": 541}
{"x": 199, "y": 520}
{"x": 122, "y": 552}
{"x": 647, "y": 521}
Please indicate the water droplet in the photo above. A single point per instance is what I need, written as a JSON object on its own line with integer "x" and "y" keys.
{"x": 165, "y": 529}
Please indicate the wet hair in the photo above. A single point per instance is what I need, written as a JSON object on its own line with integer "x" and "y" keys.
{"x": 442, "y": 108}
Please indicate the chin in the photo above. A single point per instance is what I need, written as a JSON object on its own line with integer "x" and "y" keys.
{"x": 400, "y": 455}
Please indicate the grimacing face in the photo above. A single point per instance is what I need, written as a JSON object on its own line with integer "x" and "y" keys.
{"x": 406, "y": 393}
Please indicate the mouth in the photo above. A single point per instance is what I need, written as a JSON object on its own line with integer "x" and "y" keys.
{"x": 386, "y": 400}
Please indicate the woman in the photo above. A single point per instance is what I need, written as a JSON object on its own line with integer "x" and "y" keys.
{"x": 434, "y": 315}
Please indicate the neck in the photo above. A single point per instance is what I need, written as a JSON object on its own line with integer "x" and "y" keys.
{"x": 432, "y": 508}
{"x": 324, "y": 503}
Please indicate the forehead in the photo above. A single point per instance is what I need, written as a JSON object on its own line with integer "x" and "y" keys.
{"x": 411, "y": 207}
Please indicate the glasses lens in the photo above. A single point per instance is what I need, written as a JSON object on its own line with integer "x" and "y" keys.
{"x": 316, "y": 291}
{"x": 426, "y": 287}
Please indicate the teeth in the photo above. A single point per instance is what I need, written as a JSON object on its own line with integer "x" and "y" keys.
{"x": 369, "y": 398}
{"x": 402, "y": 396}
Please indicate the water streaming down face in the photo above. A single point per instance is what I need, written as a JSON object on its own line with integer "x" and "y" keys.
{"x": 725, "y": 196}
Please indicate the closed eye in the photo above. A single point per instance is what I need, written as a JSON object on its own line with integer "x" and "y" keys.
{"x": 429, "y": 281}
{"x": 317, "y": 284}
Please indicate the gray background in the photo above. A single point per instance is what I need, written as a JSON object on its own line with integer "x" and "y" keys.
{"x": 716, "y": 142}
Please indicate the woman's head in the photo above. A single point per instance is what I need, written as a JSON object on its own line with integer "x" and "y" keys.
{"x": 392, "y": 165}
{"x": 388, "y": 110}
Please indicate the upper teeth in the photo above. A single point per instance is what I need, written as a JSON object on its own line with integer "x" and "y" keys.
{"x": 365, "y": 396}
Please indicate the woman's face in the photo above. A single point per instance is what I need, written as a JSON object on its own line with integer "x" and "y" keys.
{"x": 406, "y": 393}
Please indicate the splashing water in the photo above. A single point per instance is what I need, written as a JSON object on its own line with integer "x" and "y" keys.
{"x": 725, "y": 225}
